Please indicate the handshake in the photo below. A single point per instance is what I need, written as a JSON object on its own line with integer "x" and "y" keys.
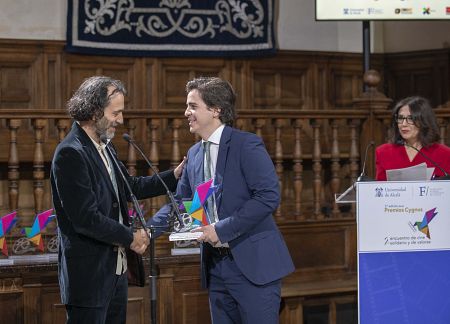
{"x": 140, "y": 241}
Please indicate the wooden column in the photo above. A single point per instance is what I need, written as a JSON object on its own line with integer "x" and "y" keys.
{"x": 131, "y": 155}
{"x": 335, "y": 165}
{"x": 317, "y": 168}
{"x": 13, "y": 165}
{"x": 63, "y": 126}
{"x": 259, "y": 124}
{"x": 298, "y": 169}
{"x": 38, "y": 165}
{"x": 442, "y": 123}
{"x": 154, "y": 156}
{"x": 372, "y": 100}
{"x": 354, "y": 151}
{"x": 279, "y": 161}
{"x": 176, "y": 156}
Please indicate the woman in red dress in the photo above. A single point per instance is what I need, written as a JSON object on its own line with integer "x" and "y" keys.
{"x": 414, "y": 129}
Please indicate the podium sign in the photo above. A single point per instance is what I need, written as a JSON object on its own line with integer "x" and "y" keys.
{"x": 403, "y": 252}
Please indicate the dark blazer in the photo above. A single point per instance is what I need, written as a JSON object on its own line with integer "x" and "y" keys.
{"x": 248, "y": 195}
{"x": 87, "y": 211}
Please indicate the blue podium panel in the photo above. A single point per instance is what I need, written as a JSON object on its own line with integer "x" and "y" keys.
{"x": 404, "y": 252}
{"x": 404, "y": 287}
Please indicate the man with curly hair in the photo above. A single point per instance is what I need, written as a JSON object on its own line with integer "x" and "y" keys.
{"x": 90, "y": 201}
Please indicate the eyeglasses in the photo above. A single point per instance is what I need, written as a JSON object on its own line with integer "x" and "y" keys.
{"x": 399, "y": 119}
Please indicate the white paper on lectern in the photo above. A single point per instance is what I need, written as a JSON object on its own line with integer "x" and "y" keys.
{"x": 418, "y": 172}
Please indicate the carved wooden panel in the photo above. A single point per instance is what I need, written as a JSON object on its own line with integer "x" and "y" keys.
{"x": 279, "y": 84}
{"x": 190, "y": 301}
{"x": 21, "y": 79}
{"x": 318, "y": 249}
{"x": 136, "y": 310}
{"x": 51, "y": 309}
{"x": 76, "y": 69}
{"x": 174, "y": 73}
{"x": 16, "y": 86}
{"x": 11, "y": 307}
{"x": 422, "y": 73}
{"x": 195, "y": 308}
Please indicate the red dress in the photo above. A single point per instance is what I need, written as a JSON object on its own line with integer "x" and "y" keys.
{"x": 393, "y": 156}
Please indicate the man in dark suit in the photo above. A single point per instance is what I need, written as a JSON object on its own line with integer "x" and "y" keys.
{"x": 90, "y": 201}
{"x": 243, "y": 255}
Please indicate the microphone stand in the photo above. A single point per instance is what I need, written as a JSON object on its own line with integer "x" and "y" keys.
{"x": 363, "y": 177}
{"x": 153, "y": 272}
{"x": 446, "y": 176}
{"x": 169, "y": 193}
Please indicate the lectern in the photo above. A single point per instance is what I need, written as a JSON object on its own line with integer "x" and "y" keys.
{"x": 403, "y": 252}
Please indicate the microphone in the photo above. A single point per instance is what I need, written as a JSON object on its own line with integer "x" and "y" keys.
{"x": 134, "y": 200}
{"x": 363, "y": 177}
{"x": 446, "y": 176}
{"x": 175, "y": 208}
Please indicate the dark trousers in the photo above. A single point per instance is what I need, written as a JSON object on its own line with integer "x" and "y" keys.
{"x": 114, "y": 311}
{"x": 235, "y": 300}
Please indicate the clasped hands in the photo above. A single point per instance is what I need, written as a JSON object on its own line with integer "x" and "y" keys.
{"x": 140, "y": 241}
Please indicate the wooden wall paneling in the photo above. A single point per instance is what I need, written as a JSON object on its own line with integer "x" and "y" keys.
{"x": 51, "y": 309}
{"x": 265, "y": 95}
{"x": 321, "y": 248}
{"x": 20, "y": 76}
{"x": 152, "y": 85}
{"x": 138, "y": 307}
{"x": 172, "y": 82}
{"x": 175, "y": 72}
{"x": 11, "y": 300}
{"x": 283, "y": 83}
{"x": 180, "y": 296}
{"x": 238, "y": 69}
{"x": 11, "y": 307}
{"x": 322, "y": 99}
{"x": 345, "y": 84}
{"x": 344, "y": 74}
{"x": 52, "y": 77}
{"x": 77, "y": 68}
{"x": 16, "y": 86}
{"x": 329, "y": 71}
{"x": 165, "y": 298}
{"x": 195, "y": 308}
{"x": 31, "y": 302}
{"x": 424, "y": 73}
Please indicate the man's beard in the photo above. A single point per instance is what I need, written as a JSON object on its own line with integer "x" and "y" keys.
{"x": 101, "y": 128}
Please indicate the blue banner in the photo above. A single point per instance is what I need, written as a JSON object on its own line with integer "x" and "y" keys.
{"x": 171, "y": 27}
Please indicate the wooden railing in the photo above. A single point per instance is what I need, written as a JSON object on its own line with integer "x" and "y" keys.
{"x": 316, "y": 153}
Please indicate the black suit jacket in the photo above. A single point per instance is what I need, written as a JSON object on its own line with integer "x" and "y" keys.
{"x": 87, "y": 211}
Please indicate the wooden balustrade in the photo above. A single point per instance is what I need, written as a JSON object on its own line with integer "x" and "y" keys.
{"x": 13, "y": 164}
{"x": 316, "y": 153}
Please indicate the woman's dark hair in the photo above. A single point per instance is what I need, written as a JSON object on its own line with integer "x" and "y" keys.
{"x": 423, "y": 117}
{"x": 91, "y": 98}
{"x": 216, "y": 93}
